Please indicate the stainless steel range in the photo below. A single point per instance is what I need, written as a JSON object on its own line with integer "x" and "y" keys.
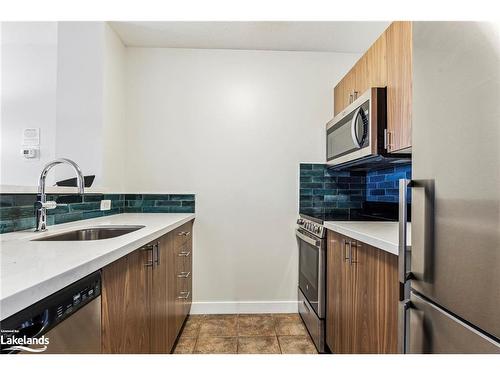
{"x": 311, "y": 237}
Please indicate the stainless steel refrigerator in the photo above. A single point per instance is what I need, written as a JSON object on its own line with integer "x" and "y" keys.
{"x": 451, "y": 302}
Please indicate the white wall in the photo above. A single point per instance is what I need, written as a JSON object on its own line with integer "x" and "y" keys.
{"x": 80, "y": 97}
{"x": 113, "y": 116}
{"x": 232, "y": 127}
{"x": 67, "y": 79}
{"x": 28, "y": 97}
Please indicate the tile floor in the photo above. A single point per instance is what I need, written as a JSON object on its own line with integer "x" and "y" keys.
{"x": 245, "y": 334}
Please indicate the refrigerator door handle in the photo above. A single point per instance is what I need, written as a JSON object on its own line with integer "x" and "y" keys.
{"x": 404, "y": 249}
{"x": 403, "y": 326}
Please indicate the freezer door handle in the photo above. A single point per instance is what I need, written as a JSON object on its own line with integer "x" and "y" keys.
{"x": 403, "y": 326}
{"x": 403, "y": 248}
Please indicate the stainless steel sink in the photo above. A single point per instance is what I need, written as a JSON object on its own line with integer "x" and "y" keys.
{"x": 92, "y": 234}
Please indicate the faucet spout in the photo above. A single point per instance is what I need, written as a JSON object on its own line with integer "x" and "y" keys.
{"x": 42, "y": 205}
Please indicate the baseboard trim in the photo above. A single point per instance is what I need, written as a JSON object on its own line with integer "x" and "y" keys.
{"x": 244, "y": 307}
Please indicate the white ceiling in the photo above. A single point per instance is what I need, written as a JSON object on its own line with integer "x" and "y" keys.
{"x": 350, "y": 37}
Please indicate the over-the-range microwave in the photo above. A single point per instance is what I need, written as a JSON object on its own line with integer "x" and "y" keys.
{"x": 357, "y": 137}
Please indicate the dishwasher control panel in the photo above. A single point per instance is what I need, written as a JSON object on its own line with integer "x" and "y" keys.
{"x": 77, "y": 298}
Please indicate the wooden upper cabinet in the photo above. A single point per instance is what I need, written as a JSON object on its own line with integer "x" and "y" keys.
{"x": 338, "y": 98}
{"x": 399, "y": 85}
{"x": 369, "y": 71}
{"x": 376, "y": 63}
{"x": 387, "y": 63}
{"x": 360, "y": 76}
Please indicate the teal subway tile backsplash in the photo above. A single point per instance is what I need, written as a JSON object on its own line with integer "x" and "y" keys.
{"x": 17, "y": 210}
{"x": 334, "y": 193}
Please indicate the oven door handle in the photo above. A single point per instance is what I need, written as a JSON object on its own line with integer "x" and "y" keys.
{"x": 307, "y": 239}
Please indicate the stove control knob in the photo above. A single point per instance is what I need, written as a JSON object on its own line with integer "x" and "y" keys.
{"x": 300, "y": 221}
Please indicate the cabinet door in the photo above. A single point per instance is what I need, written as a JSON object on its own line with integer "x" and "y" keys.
{"x": 349, "y": 87}
{"x": 374, "y": 300}
{"x": 126, "y": 286}
{"x": 361, "y": 76}
{"x": 338, "y": 295}
{"x": 338, "y": 98}
{"x": 161, "y": 340}
{"x": 376, "y": 63}
{"x": 399, "y": 85}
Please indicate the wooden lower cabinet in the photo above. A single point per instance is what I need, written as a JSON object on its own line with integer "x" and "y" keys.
{"x": 362, "y": 297}
{"x": 161, "y": 342}
{"x": 126, "y": 304}
{"x": 146, "y": 296}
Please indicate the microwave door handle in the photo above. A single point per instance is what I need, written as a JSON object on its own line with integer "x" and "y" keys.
{"x": 353, "y": 128}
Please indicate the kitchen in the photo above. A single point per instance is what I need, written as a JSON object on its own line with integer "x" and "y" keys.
{"x": 246, "y": 187}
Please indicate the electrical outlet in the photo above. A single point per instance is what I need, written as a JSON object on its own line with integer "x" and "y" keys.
{"x": 105, "y": 204}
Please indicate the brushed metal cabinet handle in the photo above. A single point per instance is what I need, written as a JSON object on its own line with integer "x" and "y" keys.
{"x": 157, "y": 247}
{"x": 347, "y": 254}
{"x": 353, "y": 259}
{"x": 149, "y": 248}
{"x": 185, "y": 296}
{"x": 184, "y": 275}
{"x": 184, "y": 254}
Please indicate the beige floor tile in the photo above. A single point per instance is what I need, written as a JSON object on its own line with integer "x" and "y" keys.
{"x": 220, "y": 316}
{"x": 185, "y": 345}
{"x": 258, "y": 345}
{"x": 290, "y": 327}
{"x": 296, "y": 345}
{"x": 216, "y": 345}
{"x": 287, "y": 317}
{"x": 256, "y": 325}
{"x": 219, "y": 326}
{"x": 192, "y": 326}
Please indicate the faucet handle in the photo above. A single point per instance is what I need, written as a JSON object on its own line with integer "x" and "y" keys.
{"x": 49, "y": 205}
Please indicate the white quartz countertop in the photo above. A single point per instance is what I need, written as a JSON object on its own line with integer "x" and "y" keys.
{"x": 32, "y": 270}
{"x": 381, "y": 234}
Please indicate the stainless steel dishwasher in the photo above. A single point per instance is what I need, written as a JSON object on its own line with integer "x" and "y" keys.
{"x": 66, "y": 322}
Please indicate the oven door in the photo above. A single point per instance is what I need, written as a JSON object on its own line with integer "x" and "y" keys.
{"x": 348, "y": 134}
{"x": 312, "y": 270}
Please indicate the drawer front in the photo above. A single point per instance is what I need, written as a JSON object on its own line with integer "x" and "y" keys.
{"x": 183, "y": 234}
{"x": 183, "y": 258}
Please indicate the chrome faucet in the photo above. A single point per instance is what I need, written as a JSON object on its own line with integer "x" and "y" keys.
{"x": 42, "y": 205}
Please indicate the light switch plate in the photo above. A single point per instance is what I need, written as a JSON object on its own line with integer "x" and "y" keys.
{"x": 105, "y": 204}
